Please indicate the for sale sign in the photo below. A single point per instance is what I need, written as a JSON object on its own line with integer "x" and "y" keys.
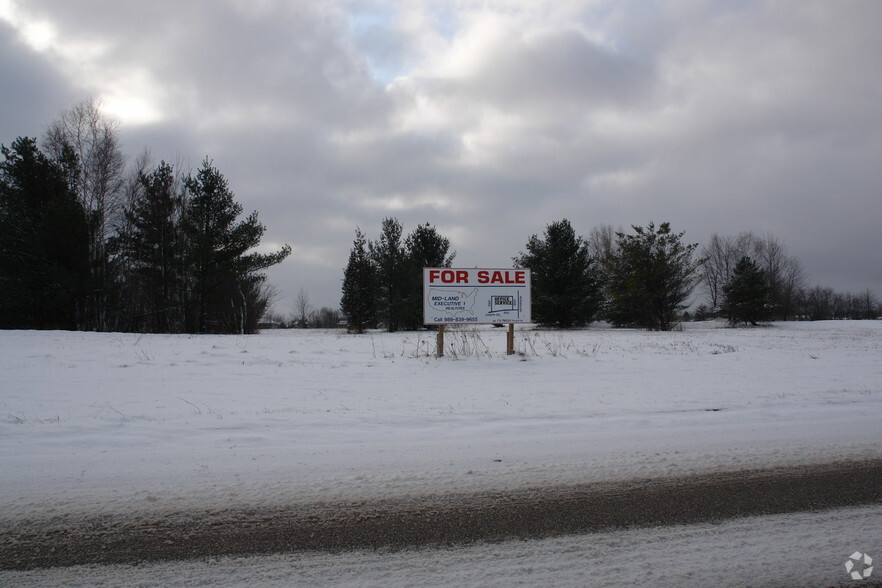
{"x": 475, "y": 296}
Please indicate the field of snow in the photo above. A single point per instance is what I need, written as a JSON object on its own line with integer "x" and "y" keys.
{"x": 156, "y": 424}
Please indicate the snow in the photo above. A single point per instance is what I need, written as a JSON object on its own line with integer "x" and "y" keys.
{"x": 803, "y": 549}
{"x": 160, "y": 424}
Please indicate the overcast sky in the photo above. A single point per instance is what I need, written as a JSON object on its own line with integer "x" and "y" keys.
{"x": 489, "y": 119}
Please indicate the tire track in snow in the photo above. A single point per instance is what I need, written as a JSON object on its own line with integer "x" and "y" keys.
{"x": 440, "y": 519}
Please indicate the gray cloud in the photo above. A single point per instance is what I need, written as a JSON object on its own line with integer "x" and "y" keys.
{"x": 489, "y": 123}
{"x": 30, "y": 88}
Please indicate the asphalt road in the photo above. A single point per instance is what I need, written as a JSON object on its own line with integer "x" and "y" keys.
{"x": 443, "y": 519}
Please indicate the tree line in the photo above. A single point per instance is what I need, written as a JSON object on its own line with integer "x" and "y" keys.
{"x": 644, "y": 278}
{"x": 87, "y": 244}
{"x": 639, "y": 279}
{"x": 383, "y": 279}
{"x": 304, "y": 316}
{"x": 785, "y": 282}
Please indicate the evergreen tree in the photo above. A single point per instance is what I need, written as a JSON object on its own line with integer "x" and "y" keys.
{"x": 649, "y": 277}
{"x": 425, "y": 247}
{"x": 152, "y": 245}
{"x": 390, "y": 259}
{"x": 225, "y": 288}
{"x": 746, "y": 295}
{"x": 565, "y": 282}
{"x": 44, "y": 241}
{"x": 359, "y": 301}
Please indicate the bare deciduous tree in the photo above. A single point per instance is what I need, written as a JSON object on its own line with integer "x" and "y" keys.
{"x": 325, "y": 317}
{"x": 602, "y": 241}
{"x": 302, "y": 308}
{"x": 719, "y": 262}
{"x": 869, "y": 305}
{"x": 100, "y": 185}
{"x": 784, "y": 273}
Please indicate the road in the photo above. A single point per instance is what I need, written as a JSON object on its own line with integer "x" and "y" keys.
{"x": 446, "y": 519}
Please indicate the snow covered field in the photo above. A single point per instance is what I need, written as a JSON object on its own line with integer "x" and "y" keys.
{"x": 159, "y": 424}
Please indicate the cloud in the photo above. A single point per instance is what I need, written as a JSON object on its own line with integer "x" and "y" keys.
{"x": 30, "y": 88}
{"x": 488, "y": 119}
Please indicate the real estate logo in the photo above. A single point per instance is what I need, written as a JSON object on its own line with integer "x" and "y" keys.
{"x": 859, "y": 566}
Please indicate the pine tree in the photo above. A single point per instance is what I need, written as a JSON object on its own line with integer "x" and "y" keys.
{"x": 566, "y": 285}
{"x": 390, "y": 259}
{"x": 746, "y": 295}
{"x": 44, "y": 241}
{"x": 649, "y": 276}
{"x": 225, "y": 286}
{"x": 359, "y": 301}
{"x": 152, "y": 245}
{"x": 424, "y": 247}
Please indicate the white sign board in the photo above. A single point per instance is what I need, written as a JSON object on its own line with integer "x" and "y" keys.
{"x": 453, "y": 296}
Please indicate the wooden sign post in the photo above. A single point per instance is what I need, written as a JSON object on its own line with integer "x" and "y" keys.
{"x": 439, "y": 342}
